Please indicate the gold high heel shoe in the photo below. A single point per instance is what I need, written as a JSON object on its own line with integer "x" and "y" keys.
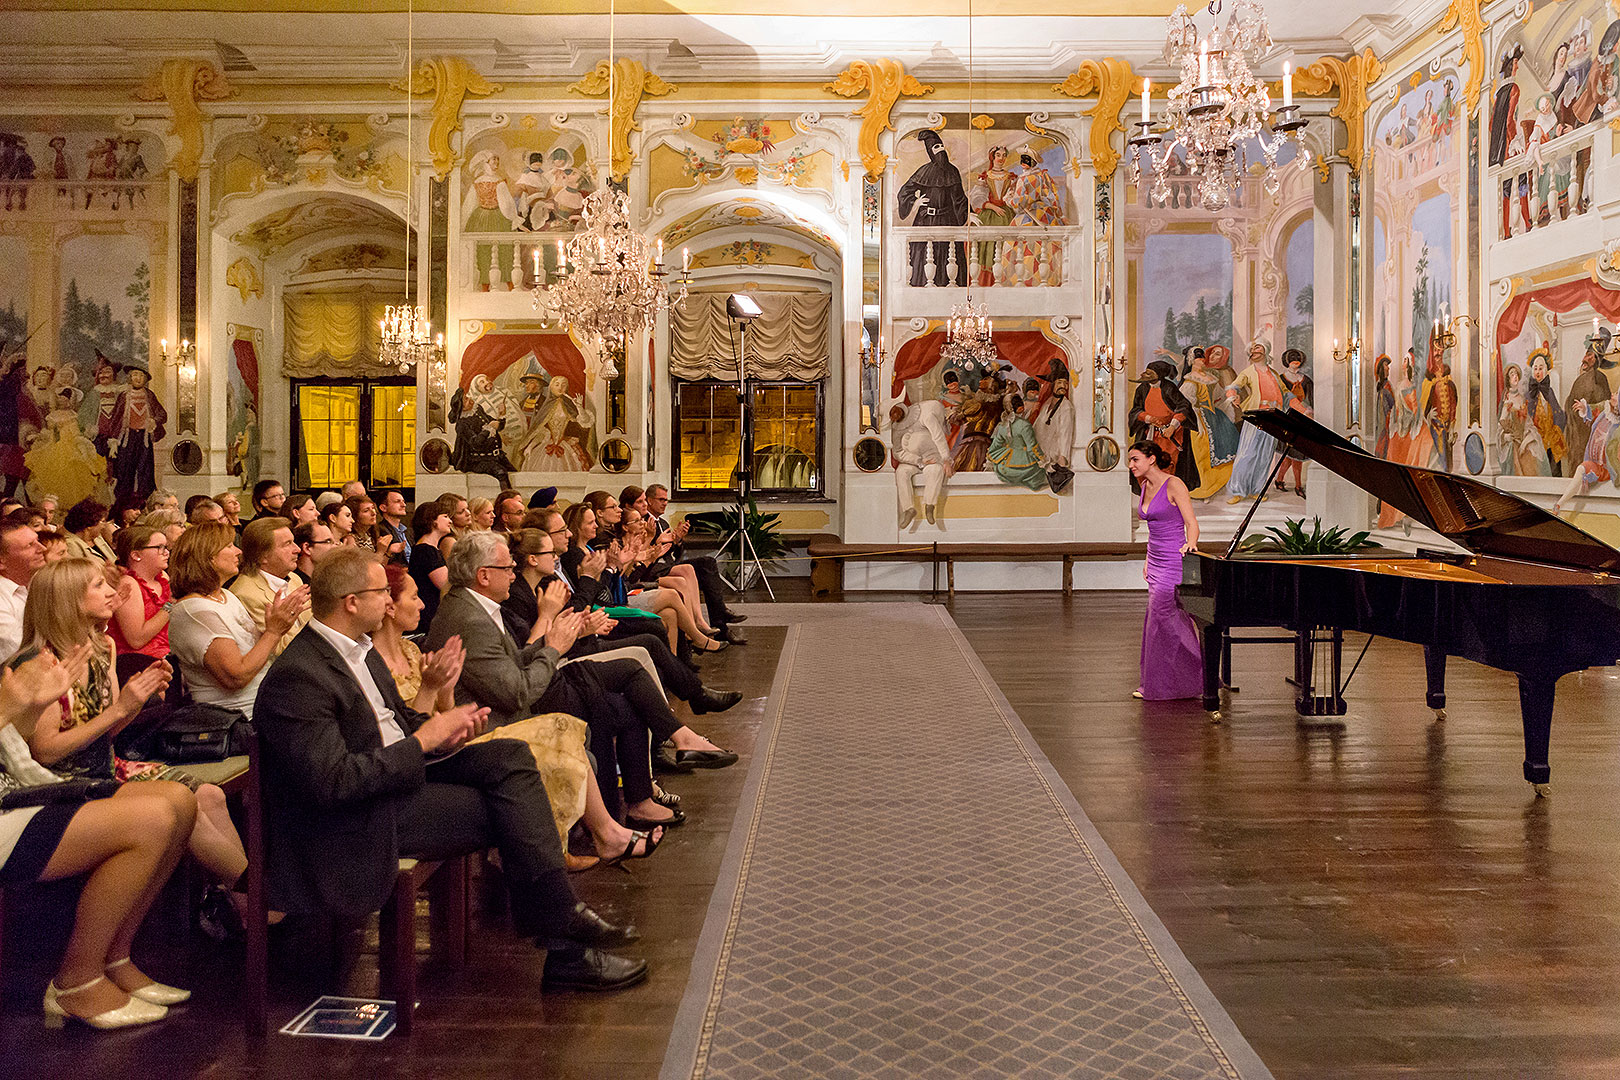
{"x": 130, "y": 1014}
{"x": 155, "y": 992}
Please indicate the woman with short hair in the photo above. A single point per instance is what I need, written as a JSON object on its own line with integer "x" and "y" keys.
{"x": 340, "y": 519}
{"x": 299, "y": 510}
{"x": 87, "y": 527}
{"x": 429, "y": 525}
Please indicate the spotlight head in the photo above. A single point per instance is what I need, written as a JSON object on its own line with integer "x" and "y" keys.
{"x": 743, "y": 308}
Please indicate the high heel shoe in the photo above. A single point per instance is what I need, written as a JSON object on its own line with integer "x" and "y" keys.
{"x": 155, "y": 992}
{"x": 132, "y": 1013}
{"x": 629, "y": 851}
{"x": 712, "y": 644}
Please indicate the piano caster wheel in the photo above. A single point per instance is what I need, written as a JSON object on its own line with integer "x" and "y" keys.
{"x": 1543, "y": 791}
{"x": 1440, "y": 714}
{"x": 1215, "y": 716}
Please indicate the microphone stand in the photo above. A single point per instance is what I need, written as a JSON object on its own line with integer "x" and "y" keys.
{"x": 746, "y": 554}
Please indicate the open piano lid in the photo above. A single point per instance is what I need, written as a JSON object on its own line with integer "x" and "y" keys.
{"x": 1471, "y": 514}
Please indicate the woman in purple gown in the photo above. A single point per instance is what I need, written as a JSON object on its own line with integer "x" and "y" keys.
{"x": 1172, "y": 662}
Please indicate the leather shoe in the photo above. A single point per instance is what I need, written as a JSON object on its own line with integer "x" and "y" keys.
{"x": 677, "y": 817}
{"x": 589, "y": 928}
{"x": 708, "y": 701}
{"x": 663, "y": 761}
{"x": 732, "y": 616}
{"x": 731, "y": 635}
{"x": 591, "y": 969}
{"x": 704, "y": 759}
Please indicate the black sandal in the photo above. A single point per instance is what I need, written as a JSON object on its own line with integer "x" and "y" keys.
{"x": 629, "y": 851}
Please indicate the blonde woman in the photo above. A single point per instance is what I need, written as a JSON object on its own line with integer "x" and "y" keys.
{"x": 482, "y": 513}
{"x": 170, "y": 522}
{"x": 460, "y": 521}
{"x": 69, "y": 606}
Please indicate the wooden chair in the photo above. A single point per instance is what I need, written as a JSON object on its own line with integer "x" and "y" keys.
{"x": 448, "y": 882}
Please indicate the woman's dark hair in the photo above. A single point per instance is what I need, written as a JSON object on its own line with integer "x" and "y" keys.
{"x": 294, "y": 503}
{"x": 572, "y": 517}
{"x": 424, "y": 517}
{"x": 84, "y": 514}
{"x": 1151, "y": 449}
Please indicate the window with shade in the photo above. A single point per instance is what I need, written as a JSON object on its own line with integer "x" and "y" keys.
{"x": 354, "y": 430}
{"x": 787, "y": 366}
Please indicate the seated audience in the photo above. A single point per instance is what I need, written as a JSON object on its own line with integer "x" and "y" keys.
{"x": 47, "y": 505}
{"x": 232, "y": 505}
{"x": 392, "y": 514}
{"x": 509, "y": 510}
{"x": 222, "y": 654}
{"x": 460, "y": 521}
{"x": 269, "y": 569}
{"x": 87, "y": 528}
{"x": 140, "y": 625}
{"x": 429, "y": 525}
{"x": 55, "y": 543}
{"x": 160, "y": 499}
{"x": 354, "y": 489}
{"x": 325, "y": 499}
{"x": 427, "y": 684}
{"x": 268, "y": 497}
{"x": 516, "y": 681}
{"x": 710, "y": 582}
{"x": 69, "y": 606}
{"x": 300, "y": 510}
{"x": 351, "y": 785}
{"x": 340, "y": 519}
{"x": 482, "y": 513}
{"x": 204, "y": 511}
{"x": 124, "y": 848}
{"x": 368, "y": 536}
{"x": 21, "y": 555}
{"x": 171, "y": 522}
{"x": 126, "y": 509}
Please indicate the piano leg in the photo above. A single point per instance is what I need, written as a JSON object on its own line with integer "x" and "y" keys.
{"x": 1536, "y": 708}
{"x": 1434, "y": 664}
{"x": 1213, "y": 638}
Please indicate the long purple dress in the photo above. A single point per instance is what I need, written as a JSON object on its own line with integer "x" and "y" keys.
{"x": 1172, "y": 662}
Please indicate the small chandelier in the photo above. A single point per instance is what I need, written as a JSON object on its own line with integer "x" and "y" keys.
{"x": 969, "y": 341}
{"x": 612, "y": 278}
{"x": 1217, "y": 108}
{"x": 407, "y": 335}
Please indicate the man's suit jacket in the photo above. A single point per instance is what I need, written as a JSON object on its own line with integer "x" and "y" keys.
{"x": 497, "y": 673}
{"x": 331, "y": 789}
{"x": 256, "y": 595}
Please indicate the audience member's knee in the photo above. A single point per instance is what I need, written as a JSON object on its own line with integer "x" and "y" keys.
{"x": 210, "y": 799}
{"x": 162, "y": 811}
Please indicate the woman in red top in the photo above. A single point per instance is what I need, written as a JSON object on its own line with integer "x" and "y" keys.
{"x": 140, "y": 623}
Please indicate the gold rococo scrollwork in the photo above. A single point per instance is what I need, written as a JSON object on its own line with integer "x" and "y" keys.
{"x": 1352, "y": 77}
{"x": 450, "y": 79}
{"x": 1111, "y": 80}
{"x": 884, "y": 82}
{"x": 183, "y": 82}
{"x": 1465, "y": 13}
{"x": 630, "y": 82}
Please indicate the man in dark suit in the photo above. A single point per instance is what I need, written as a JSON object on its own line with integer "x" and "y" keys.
{"x": 354, "y": 778}
{"x": 710, "y": 583}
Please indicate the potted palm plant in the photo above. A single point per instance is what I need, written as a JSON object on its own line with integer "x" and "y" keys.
{"x": 763, "y": 532}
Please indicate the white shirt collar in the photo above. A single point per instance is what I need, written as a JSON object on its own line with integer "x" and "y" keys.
{"x": 276, "y": 583}
{"x": 9, "y": 588}
{"x": 491, "y": 608}
{"x": 347, "y": 647}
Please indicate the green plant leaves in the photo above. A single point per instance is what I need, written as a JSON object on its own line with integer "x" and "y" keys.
{"x": 1292, "y": 539}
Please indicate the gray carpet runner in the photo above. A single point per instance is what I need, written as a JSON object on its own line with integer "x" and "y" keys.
{"x": 910, "y": 890}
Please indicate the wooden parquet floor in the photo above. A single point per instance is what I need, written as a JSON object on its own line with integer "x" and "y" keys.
{"x": 1385, "y": 900}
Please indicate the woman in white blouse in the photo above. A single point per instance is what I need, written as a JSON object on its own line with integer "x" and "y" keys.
{"x": 223, "y": 654}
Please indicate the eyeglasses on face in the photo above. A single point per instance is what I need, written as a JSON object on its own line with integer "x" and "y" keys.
{"x": 154, "y": 547}
{"x": 500, "y": 566}
{"x": 362, "y": 592}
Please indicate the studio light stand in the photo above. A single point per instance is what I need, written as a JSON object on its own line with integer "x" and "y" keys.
{"x": 743, "y": 310}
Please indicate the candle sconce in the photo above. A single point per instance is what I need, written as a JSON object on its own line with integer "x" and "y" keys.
{"x": 1342, "y": 356}
{"x": 184, "y": 360}
{"x": 1106, "y": 360}
{"x": 1445, "y": 332}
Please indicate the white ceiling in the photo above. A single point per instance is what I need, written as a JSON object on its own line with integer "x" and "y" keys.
{"x": 94, "y": 45}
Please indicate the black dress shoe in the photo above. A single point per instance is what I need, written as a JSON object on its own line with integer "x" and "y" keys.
{"x": 663, "y": 761}
{"x": 704, "y": 759}
{"x": 732, "y": 616}
{"x": 588, "y": 928}
{"x": 708, "y": 701}
{"x": 591, "y": 969}
{"x": 731, "y": 636}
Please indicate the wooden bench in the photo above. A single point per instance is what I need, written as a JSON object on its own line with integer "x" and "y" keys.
{"x": 449, "y": 884}
{"x": 828, "y": 555}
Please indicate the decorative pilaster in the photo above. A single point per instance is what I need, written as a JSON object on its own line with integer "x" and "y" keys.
{"x": 183, "y": 83}
{"x": 1111, "y": 80}
{"x": 885, "y": 83}
{"x": 1352, "y": 77}
{"x": 631, "y": 82}
{"x": 1465, "y": 13}
{"x": 450, "y": 79}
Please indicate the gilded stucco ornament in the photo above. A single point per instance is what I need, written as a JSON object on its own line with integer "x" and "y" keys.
{"x": 1352, "y": 77}
{"x": 1111, "y": 80}
{"x": 1465, "y": 13}
{"x": 631, "y": 82}
{"x": 183, "y": 82}
{"x": 884, "y": 82}
{"x": 450, "y": 79}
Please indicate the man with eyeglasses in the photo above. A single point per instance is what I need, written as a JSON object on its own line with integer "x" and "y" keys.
{"x": 353, "y": 781}
{"x": 268, "y": 497}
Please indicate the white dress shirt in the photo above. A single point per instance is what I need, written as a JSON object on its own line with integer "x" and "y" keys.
{"x": 491, "y": 607}
{"x": 12, "y": 598}
{"x": 354, "y": 654}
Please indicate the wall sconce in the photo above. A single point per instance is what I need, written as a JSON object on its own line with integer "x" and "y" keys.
{"x": 1445, "y": 331}
{"x": 184, "y": 359}
{"x": 1351, "y": 348}
{"x": 1105, "y": 360}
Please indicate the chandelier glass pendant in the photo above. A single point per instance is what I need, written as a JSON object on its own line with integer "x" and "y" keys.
{"x": 1218, "y": 109}
{"x": 612, "y": 278}
{"x": 969, "y": 343}
{"x": 407, "y": 335}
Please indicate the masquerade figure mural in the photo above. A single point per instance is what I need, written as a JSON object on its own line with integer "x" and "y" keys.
{"x": 1161, "y": 413}
{"x": 1258, "y": 386}
{"x": 935, "y": 193}
{"x": 921, "y": 448}
{"x": 1591, "y": 387}
{"x": 1214, "y": 442}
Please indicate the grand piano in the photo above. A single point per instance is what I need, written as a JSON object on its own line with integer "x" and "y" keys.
{"x": 1533, "y": 595}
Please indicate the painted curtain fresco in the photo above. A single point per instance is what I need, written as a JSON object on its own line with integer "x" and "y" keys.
{"x": 1416, "y": 176}
{"x": 523, "y": 406}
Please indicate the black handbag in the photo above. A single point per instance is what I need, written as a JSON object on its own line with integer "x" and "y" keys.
{"x": 67, "y": 791}
{"x": 194, "y": 733}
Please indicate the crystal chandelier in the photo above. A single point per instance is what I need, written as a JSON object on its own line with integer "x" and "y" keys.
{"x": 1217, "y": 108}
{"x": 969, "y": 343}
{"x": 612, "y": 283}
{"x": 407, "y": 335}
